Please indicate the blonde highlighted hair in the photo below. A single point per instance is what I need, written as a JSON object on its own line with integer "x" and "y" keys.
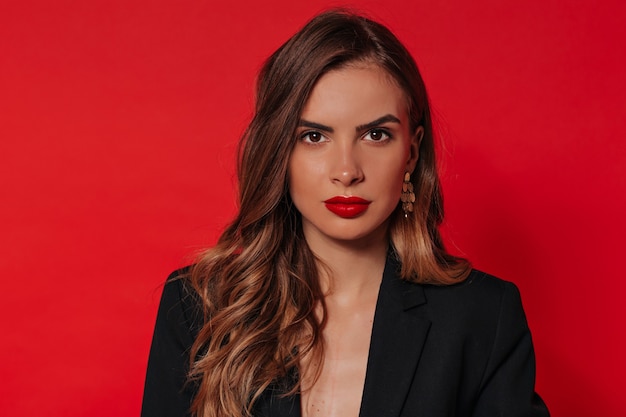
{"x": 259, "y": 284}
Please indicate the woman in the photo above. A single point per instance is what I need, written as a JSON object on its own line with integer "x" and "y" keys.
{"x": 331, "y": 293}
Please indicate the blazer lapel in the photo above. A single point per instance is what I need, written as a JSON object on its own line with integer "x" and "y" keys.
{"x": 398, "y": 336}
{"x": 273, "y": 403}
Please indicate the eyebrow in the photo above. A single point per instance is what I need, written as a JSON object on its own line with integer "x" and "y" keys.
{"x": 385, "y": 119}
{"x": 313, "y": 125}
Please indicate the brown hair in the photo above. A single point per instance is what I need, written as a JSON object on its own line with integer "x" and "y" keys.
{"x": 259, "y": 284}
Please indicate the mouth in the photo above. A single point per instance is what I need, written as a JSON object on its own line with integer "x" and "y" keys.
{"x": 347, "y": 207}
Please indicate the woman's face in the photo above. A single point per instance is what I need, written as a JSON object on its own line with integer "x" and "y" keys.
{"x": 353, "y": 148}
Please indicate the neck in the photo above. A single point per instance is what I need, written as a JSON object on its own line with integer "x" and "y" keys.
{"x": 348, "y": 270}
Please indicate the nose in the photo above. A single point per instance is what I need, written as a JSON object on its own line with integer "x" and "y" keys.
{"x": 346, "y": 169}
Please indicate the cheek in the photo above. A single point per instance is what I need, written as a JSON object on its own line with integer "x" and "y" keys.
{"x": 299, "y": 174}
{"x": 390, "y": 170}
{"x": 304, "y": 170}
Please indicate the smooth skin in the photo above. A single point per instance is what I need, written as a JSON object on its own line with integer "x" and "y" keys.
{"x": 354, "y": 139}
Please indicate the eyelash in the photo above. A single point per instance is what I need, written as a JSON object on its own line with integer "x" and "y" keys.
{"x": 385, "y": 132}
{"x": 306, "y": 135}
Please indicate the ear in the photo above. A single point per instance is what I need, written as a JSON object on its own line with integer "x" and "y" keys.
{"x": 414, "y": 146}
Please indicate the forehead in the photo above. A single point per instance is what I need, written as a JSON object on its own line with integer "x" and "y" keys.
{"x": 360, "y": 90}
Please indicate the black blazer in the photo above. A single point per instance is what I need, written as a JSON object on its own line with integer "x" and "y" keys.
{"x": 436, "y": 351}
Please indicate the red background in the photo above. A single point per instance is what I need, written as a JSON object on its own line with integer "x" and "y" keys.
{"x": 118, "y": 124}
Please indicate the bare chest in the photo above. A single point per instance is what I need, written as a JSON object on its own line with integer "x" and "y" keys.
{"x": 338, "y": 389}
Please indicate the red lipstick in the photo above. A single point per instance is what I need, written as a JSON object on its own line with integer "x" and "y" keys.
{"x": 347, "y": 207}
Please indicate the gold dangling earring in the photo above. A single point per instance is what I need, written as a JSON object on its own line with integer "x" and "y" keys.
{"x": 407, "y": 197}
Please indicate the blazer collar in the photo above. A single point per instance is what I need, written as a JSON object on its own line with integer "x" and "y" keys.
{"x": 398, "y": 335}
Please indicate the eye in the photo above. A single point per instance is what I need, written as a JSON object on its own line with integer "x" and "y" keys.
{"x": 377, "y": 135}
{"x": 312, "y": 136}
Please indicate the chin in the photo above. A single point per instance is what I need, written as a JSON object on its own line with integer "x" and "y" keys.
{"x": 359, "y": 234}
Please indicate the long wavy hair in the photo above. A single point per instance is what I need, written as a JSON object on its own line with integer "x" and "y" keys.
{"x": 259, "y": 285}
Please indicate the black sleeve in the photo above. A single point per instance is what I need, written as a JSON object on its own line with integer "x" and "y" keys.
{"x": 508, "y": 383}
{"x": 166, "y": 391}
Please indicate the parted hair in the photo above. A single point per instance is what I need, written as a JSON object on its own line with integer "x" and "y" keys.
{"x": 259, "y": 284}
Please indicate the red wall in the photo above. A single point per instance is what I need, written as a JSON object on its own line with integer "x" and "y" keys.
{"x": 118, "y": 124}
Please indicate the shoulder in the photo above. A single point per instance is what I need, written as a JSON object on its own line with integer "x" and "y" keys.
{"x": 167, "y": 391}
{"x": 478, "y": 290}
{"x": 482, "y": 303}
{"x": 180, "y": 308}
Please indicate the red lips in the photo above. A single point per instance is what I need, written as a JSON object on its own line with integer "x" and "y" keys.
{"x": 347, "y": 207}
